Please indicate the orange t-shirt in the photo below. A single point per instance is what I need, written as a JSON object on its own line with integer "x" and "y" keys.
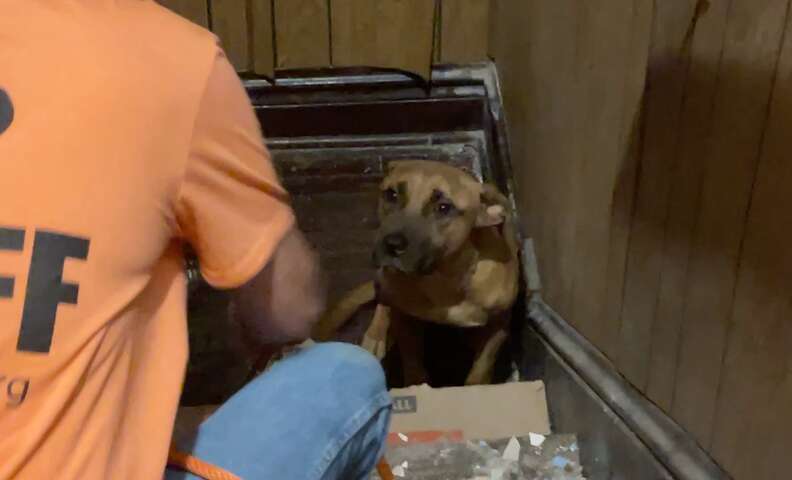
{"x": 124, "y": 132}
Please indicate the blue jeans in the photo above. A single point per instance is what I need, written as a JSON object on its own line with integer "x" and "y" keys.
{"x": 320, "y": 413}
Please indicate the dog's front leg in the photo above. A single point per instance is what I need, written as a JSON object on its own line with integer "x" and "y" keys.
{"x": 375, "y": 340}
{"x": 408, "y": 334}
{"x": 481, "y": 373}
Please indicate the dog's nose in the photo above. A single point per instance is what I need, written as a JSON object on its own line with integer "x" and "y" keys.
{"x": 395, "y": 244}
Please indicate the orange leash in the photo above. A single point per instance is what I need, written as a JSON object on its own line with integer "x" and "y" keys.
{"x": 198, "y": 467}
{"x": 384, "y": 470}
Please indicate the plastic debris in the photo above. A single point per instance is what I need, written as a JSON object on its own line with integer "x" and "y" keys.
{"x": 512, "y": 450}
{"x": 514, "y": 376}
{"x": 536, "y": 439}
{"x": 560, "y": 462}
{"x": 507, "y": 458}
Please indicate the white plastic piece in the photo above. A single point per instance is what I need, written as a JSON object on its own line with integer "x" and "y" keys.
{"x": 536, "y": 439}
{"x": 512, "y": 450}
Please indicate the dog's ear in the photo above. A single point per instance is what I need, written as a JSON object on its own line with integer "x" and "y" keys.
{"x": 393, "y": 165}
{"x": 469, "y": 171}
{"x": 493, "y": 210}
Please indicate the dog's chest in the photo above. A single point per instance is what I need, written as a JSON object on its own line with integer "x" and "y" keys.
{"x": 433, "y": 298}
{"x": 426, "y": 292}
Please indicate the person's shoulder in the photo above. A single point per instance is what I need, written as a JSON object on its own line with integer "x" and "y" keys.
{"x": 162, "y": 29}
{"x": 173, "y": 23}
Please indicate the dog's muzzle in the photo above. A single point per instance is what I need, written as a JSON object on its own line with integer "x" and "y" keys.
{"x": 396, "y": 250}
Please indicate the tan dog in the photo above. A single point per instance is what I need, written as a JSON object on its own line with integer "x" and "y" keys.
{"x": 446, "y": 253}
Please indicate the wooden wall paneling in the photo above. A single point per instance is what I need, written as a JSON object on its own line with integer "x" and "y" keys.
{"x": 718, "y": 280}
{"x": 622, "y": 199}
{"x": 603, "y": 67}
{"x": 751, "y": 48}
{"x": 554, "y": 119}
{"x": 386, "y": 33}
{"x": 753, "y": 430}
{"x": 302, "y": 32}
{"x": 665, "y": 88}
{"x": 494, "y": 35}
{"x": 230, "y": 23}
{"x": 534, "y": 38}
{"x": 261, "y": 37}
{"x": 437, "y": 33}
{"x": 196, "y": 11}
{"x": 705, "y": 44}
{"x": 608, "y": 323}
{"x": 464, "y": 29}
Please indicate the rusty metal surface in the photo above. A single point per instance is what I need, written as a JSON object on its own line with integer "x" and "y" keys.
{"x": 372, "y": 118}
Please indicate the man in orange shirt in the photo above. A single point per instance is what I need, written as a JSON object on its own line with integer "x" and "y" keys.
{"x": 125, "y": 133}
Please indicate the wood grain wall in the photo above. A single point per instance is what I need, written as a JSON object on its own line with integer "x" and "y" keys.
{"x": 262, "y": 36}
{"x": 654, "y": 160}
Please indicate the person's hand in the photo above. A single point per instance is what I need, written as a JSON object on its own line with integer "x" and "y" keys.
{"x": 281, "y": 304}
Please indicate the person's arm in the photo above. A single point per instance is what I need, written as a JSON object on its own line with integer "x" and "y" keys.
{"x": 281, "y": 304}
{"x": 233, "y": 211}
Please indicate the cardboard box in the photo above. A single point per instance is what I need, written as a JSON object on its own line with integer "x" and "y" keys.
{"x": 425, "y": 414}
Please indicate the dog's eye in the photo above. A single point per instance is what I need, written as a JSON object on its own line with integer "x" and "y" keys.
{"x": 444, "y": 208}
{"x": 390, "y": 195}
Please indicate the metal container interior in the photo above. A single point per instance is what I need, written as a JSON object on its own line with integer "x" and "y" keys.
{"x": 331, "y": 134}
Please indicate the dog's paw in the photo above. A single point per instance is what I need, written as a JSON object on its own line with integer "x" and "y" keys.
{"x": 376, "y": 347}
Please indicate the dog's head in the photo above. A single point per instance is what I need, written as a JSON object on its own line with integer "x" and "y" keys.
{"x": 427, "y": 211}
